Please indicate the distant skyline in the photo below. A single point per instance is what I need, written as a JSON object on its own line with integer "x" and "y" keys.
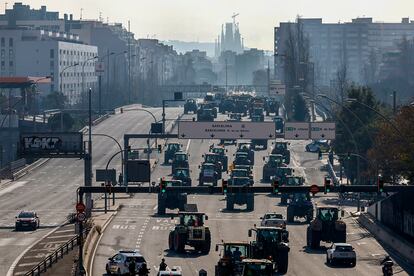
{"x": 201, "y": 20}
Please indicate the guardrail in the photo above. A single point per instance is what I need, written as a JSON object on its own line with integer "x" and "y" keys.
{"x": 53, "y": 258}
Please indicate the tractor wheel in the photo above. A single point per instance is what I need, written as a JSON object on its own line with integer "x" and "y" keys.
{"x": 179, "y": 242}
{"x": 205, "y": 249}
{"x": 229, "y": 203}
{"x": 250, "y": 202}
{"x": 290, "y": 214}
{"x": 283, "y": 263}
{"x": 312, "y": 238}
{"x": 171, "y": 240}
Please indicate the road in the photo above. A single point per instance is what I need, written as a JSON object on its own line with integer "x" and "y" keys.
{"x": 137, "y": 227}
{"x": 50, "y": 190}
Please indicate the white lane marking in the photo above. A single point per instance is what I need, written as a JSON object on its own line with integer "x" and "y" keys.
{"x": 12, "y": 187}
{"x": 188, "y": 145}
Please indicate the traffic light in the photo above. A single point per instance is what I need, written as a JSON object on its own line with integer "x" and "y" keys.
{"x": 224, "y": 186}
{"x": 348, "y": 155}
{"x": 380, "y": 184}
{"x": 275, "y": 185}
{"x": 162, "y": 185}
{"x": 327, "y": 185}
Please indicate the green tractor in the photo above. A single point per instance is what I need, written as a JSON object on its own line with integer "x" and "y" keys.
{"x": 271, "y": 243}
{"x": 326, "y": 227}
{"x": 190, "y": 231}
{"x": 170, "y": 199}
{"x": 260, "y": 267}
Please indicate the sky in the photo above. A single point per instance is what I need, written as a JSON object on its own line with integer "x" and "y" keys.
{"x": 201, "y": 20}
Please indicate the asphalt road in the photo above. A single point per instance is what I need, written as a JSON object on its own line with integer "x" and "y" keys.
{"x": 136, "y": 226}
{"x": 50, "y": 190}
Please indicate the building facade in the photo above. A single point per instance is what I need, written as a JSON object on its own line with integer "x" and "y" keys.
{"x": 332, "y": 45}
{"x": 39, "y": 53}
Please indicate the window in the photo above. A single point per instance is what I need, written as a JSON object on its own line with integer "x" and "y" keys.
{"x": 52, "y": 64}
{"x": 10, "y": 42}
{"x": 11, "y": 63}
{"x": 10, "y": 52}
{"x": 3, "y": 53}
{"x": 52, "y": 53}
{"x": 3, "y": 42}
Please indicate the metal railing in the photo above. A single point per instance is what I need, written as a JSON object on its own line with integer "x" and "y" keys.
{"x": 55, "y": 256}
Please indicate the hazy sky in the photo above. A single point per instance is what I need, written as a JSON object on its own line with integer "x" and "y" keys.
{"x": 200, "y": 20}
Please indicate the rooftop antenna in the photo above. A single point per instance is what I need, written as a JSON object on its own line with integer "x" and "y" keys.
{"x": 81, "y": 13}
{"x": 5, "y": 6}
{"x": 100, "y": 17}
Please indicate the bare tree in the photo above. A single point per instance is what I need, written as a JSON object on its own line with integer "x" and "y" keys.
{"x": 342, "y": 74}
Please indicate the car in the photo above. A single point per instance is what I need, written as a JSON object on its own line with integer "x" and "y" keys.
{"x": 118, "y": 264}
{"x": 314, "y": 146}
{"x": 27, "y": 219}
{"x": 341, "y": 253}
{"x": 273, "y": 220}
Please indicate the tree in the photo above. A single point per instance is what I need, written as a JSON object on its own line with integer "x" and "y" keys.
{"x": 394, "y": 150}
{"x": 300, "y": 109}
{"x": 363, "y": 133}
{"x": 54, "y": 100}
{"x": 56, "y": 122}
{"x": 297, "y": 66}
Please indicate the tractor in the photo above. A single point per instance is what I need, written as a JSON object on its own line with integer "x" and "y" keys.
{"x": 300, "y": 205}
{"x": 326, "y": 227}
{"x": 271, "y": 106}
{"x": 240, "y": 197}
{"x": 274, "y": 161}
{"x": 190, "y": 106}
{"x": 248, "y": 148}
{"x": 205, "y": 115}
{"x": 272, "y": 243}
{"x": 180, "y": 160}
{"x": 259, "y": 142}
{"x": 242, "y": 158}
{"x": 172, "y": 148}
{"x": 282, "y": 148}
{"x": 182, "y": 174}
{"x": 262, "y": 267}
{"x": 231, "y": 256}
{"x": 170, "y": 199}
{"x": 221, "y": 152}
{"x": 208, "y": 174}
{"x": 290, "y": 180}
{"x": 190, "y": 231}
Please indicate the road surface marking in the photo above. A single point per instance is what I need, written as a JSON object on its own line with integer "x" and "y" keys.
{"x": 188, "y": 145}
{"x": 12, "y": 187}
{"x": 155, "y": 208}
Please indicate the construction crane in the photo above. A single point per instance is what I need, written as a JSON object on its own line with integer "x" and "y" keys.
{"x": 234, "y": 17}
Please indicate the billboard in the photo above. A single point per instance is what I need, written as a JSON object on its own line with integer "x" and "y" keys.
{"x": 226, "y": 130}
{"x": 52, "y": 144}
{"x": 138, "y": 171}
{"x": 323, "y": 130}
{"x": 297, "y": 131}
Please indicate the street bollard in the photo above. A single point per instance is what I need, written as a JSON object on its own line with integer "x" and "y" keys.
{"x": 202, "y": 272}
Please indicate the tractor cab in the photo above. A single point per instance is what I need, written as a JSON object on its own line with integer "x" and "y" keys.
{"x": 192, "y": 218}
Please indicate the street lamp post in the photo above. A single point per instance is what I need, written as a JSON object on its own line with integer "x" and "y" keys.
{"x": 61, "y": 75}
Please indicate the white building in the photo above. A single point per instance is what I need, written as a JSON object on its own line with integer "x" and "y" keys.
{"x": 41, "y": 53}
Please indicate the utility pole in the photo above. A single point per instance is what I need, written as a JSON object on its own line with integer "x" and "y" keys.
{"x": 88, "y": 157}
{"x": 107, "y": 73}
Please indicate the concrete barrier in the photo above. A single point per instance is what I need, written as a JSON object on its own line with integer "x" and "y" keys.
{"x": 404, "y": 248}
